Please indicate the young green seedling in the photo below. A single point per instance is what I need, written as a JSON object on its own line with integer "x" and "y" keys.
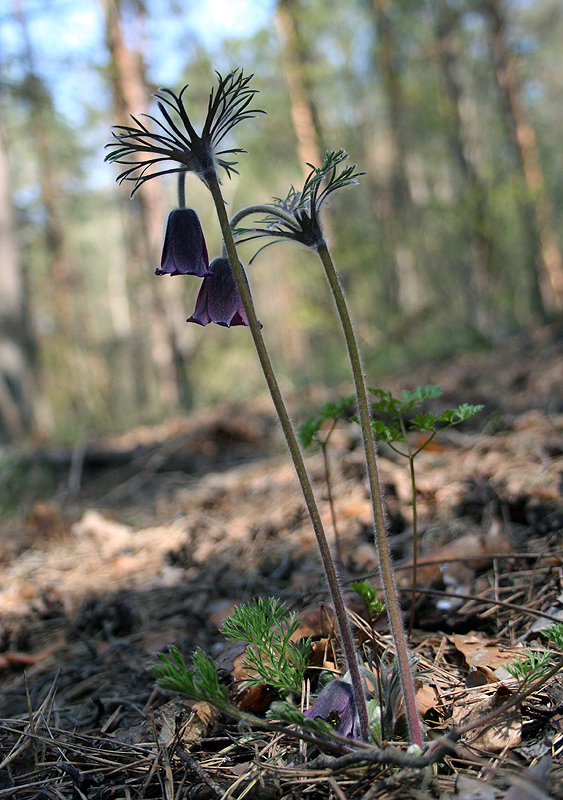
{"x": 273, "y": 657}
{"x": 533, "y": 665}
{"x": 391, "y": 424}
{"x": 314, "y": 430}
{"x": 530, "y": 667}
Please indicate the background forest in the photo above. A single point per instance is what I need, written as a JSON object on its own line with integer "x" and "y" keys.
{"x": 454, "y": 109}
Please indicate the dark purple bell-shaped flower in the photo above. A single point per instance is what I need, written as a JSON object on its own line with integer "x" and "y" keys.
{"x": 336, "y": 705}
{"x": 184, "y": 251}
{"x": 219, "y": 300}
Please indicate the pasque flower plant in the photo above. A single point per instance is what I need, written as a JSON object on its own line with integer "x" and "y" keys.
{"x": 225, "y": 299}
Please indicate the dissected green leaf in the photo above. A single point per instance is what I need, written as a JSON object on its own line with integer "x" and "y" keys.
{"x": 308, "y": 430}
{"x": 424, "y": 422}
{"x": 274, "y": 658}
{"x": 411, "y": 400}
{"x": 386, "y": 433}
{"x": 330, "y": 410}
{"x": 465, "y": 411}
{"x": 201, "y": 683}
{"x": 387, "y": 404}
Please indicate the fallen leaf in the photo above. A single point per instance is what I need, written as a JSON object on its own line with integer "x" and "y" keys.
{"x": 426, "y": 699}
{"x": 496, "y": 736}
{"x": 479, "y": 651}
{"x": 190, "y": 720}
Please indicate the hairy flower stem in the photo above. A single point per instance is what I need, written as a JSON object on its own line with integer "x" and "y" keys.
{"x": 385, "y": 565}
{"x": 296, "y": 455}
{"x": 181, "y": 190}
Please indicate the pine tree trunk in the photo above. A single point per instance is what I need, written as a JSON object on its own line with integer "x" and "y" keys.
{"x": 406, "y": 291}
{"x": 154, "y": 299}
{"x": 17, "y": 342}
{"x": 478, "y": 290}
{"x": 548, "y": 261}
{"x": 296, "y": 59}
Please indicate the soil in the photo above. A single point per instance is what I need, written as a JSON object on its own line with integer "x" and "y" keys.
{"x": 124, "y": 546}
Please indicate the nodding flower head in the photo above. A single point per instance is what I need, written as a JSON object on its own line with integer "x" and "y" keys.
{"x": 219, "y": 300}
{"x": 184, "y": 251}
{"x": 298, "y": 216}
{"x": 174, "y": 138}
{"x": 336, "y": 705}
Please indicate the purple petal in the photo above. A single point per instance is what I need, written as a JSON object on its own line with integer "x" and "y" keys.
{"x": 336, "y": 705}
{"x": 184, "y": 251}
{"x": 219, "y": 300}
{"x": 201, "y": 313}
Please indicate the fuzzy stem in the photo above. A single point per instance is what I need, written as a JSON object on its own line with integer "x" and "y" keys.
{"x": 386, "y": 569}
{"x": 181, "y": 189}
{"x": 297, "y": 457}
{"x": 264, "y": 208}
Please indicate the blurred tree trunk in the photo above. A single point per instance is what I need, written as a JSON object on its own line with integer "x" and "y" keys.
{"x": 17, "y": 341}
{"x": 155, "y": 300}
{"x": 547, "y": 259}
{"x": 406, "y": 292}
{"x": 296, "y": 60}
{"x": 42, "y": 116}
{"x": 67, "y": 333}
{"x": 479, "y": 289}
{"x": 311, "y": 149}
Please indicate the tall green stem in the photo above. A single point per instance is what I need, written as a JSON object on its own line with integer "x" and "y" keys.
{"x": 296, "y": 455}
{"x": 385, "y": 565}
{"x": 410, "y": 457}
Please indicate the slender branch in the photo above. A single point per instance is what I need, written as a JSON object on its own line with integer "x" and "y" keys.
{"x": 296, "y": 455}
{"x": 328, "y": 481}
{"x": 391, "y": 601}
{"x": 410, "y": 458}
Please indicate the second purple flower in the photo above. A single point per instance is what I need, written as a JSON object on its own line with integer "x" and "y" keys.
{"x": 219, "y": 300}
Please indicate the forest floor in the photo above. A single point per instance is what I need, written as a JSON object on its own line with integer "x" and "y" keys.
{"x": 151, "y": 538}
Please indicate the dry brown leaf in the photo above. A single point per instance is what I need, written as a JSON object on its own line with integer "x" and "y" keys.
{"x": 495, "y": 737}
{"x": 426, "y": 699}
{"x": 189, "y": 719}
{"x": 479, "y": 651}
{"x": 454, "y": 553}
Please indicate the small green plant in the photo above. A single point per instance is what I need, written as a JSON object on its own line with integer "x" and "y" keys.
{"x": 373, "y": 604}
{"x": 273, "y": 658}
{"x": 310, "y": 431}
{"x": 202, "y": 683}
{"x": 391, "y": 424}
{"x": 531, "y": 666}
{"x": 555, "y": 634}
